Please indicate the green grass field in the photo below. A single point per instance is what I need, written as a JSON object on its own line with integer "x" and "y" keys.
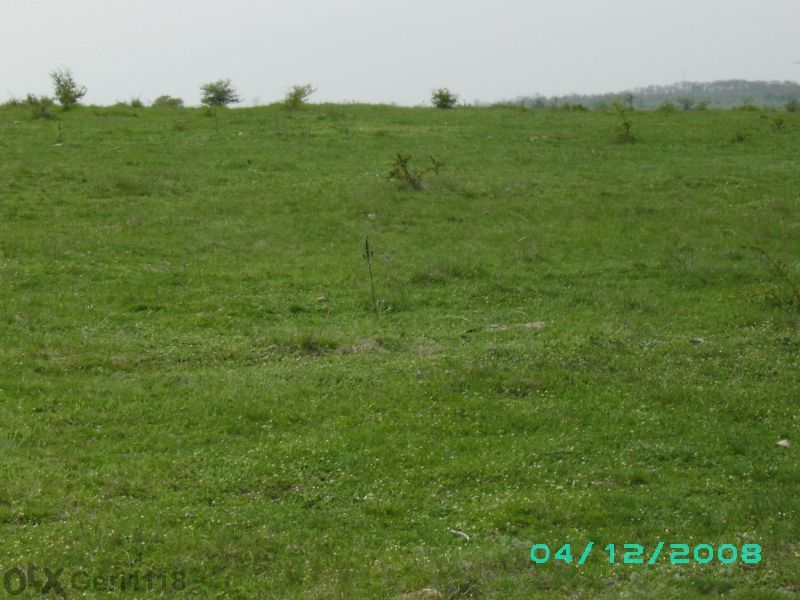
{"x": 575, "y": 341}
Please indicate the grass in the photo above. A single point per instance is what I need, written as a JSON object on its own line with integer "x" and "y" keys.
{"x": 192, "y": 376}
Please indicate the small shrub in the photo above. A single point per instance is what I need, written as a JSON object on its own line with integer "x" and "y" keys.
{"x": 703, "y": 105}
{"x": 136, "y": 103}
{"x": 409, "y": 176}
{"x": 297, "y": 96}
{"x": 686, "y": 103}
{"x": 667, "y": 107}
{"x": 778, "y": 122}
{"x": 748, "y": 105}
{"x": 67, "y": 91}
{"x": 576, "y": 107}
{"x": 219, "y": 93}
{"x": 782, "y": 276}
{"x": 443, "y": 98}
{"x": 168, "y": 102}
{"x": 738, "y": 137}
{"x": 40, "y": 106}
{"x": 793, "y": 105}
{"x": 624, "y": 132}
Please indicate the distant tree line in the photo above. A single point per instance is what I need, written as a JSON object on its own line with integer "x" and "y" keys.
{"x": 715, "y": 94}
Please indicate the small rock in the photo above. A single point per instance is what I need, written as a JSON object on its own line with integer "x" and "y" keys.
{"x": 696, "y": 341}
{"x": 424, "y": 594}
{"x": 362, "y": 345}
{"x": 783, "y": 444}
{"x": 372, "y": 216}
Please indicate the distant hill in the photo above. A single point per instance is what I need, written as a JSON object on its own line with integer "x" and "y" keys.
{"x": 717, "y": 94}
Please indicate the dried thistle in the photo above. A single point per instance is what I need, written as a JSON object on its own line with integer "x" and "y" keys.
{"x": 410, "y": 176}
{"x": 368, "y": 257}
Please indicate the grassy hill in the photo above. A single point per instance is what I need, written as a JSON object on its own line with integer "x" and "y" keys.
{"x": 575, "y": 341}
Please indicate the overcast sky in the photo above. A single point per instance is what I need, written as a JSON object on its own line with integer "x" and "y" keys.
{"x": 392, "y": 50}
